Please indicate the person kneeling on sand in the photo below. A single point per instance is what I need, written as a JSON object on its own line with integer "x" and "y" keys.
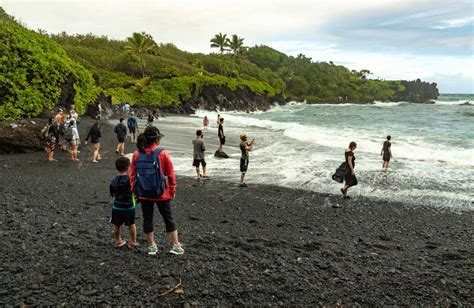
{"x": 244, "y": 159}
{"x": 199, "y": 155}
{"x": 123, "y": 209}
{"x": 150, "y": 165}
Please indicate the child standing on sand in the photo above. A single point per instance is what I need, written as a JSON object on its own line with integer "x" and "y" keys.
{"x": 123, "y": 209}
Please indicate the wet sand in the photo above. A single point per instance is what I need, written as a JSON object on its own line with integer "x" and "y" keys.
{"x": 264, "y": 245}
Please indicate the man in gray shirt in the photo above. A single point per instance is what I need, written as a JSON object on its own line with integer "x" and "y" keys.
{"x": 198, "y": 156}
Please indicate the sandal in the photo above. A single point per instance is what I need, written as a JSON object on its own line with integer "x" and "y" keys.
{"x": 120, "y": 244}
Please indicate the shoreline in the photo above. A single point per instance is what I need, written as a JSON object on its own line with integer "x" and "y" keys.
{"x": 259, "y": 245}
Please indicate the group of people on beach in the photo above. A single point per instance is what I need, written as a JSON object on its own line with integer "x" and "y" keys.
{"x": 61, "y": 131}
{"x": 149, "y": 177}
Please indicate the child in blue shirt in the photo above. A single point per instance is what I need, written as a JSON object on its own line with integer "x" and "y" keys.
{"x": 123, "y": 209}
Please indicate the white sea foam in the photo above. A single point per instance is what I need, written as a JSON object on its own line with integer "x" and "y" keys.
{"x": 451, "y": 103}
{"x": 297, "y": 155}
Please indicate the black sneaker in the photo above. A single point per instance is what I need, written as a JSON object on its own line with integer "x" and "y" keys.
{"x": 243, "y": 185}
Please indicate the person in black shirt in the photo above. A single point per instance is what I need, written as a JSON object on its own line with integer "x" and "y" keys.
{"x": 220, "y": 134}
{"x": 123, "y": 208}
{"x": 386, "y": 153}
{"x": 121, "y": 131}
{"x": 94, "y": 135}
{"x": 350, "y": 176}
{"x": 132, "y": 127}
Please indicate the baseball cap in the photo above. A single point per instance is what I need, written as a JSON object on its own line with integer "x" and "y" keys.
{"x": 152, "y": 132}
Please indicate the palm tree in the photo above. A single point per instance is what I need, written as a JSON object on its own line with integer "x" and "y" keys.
{"x": 140, "y": 44}
{"x": 220, "y": 41}
{"x": 236, "y": 44}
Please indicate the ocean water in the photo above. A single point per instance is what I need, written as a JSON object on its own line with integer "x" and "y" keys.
{"x": 300, "y": 146}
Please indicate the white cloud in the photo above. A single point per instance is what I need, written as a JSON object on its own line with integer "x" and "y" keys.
{"x": 455, "y": 23}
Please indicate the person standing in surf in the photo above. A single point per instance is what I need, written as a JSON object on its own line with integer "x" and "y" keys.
{"x": 220, "y": 134}
{"x": 205, "y": 122}
{"x": 244, "y": 159}
{"x": 199, "y": 154}
{"x": 350, "y": 176}
{"x": 386, "y": 153}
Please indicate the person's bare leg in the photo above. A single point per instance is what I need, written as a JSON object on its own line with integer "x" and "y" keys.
{"x": 133, "y": 233}
{"x": 150, "y": 238}
{"x": 242, "y": 176}
{"x": 204, "y": 171}
{"x": 116, "y": 230}
{"x": 174, "y": 238}
{"x": 197, "y": 172}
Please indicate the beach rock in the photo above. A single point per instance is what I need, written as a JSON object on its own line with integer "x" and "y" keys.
{"x": 221, "y": 154}
{"x": 21, "y": 137}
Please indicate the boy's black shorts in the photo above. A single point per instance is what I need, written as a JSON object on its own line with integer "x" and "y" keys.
{"x": 121, "y": 139}
{"x": 222, "y": 140}
{"x": 120, "y": 217}
{"x": 244, "y": 164}
{"x": 196, "y": 163}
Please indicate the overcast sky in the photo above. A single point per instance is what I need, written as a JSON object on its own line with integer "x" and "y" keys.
{"x": 396, "y": 39}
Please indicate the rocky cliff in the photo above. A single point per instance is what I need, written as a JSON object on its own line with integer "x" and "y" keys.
{"x": 417, "y": 91}
{"x": 216, "y": 98}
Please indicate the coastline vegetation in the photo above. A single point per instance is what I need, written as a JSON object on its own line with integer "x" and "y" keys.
{"x": 35, "y": 66}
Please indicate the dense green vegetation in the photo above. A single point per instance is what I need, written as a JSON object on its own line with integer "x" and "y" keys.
{"x": 140, "y": 71}
{"x": 32, "y": 70}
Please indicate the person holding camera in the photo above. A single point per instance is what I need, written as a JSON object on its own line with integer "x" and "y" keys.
{"x": 244, "y": 159}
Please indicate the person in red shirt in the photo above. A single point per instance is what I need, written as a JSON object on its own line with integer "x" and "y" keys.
{"x": 147, "y": 142}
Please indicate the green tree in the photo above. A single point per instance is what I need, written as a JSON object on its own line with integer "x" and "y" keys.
{"x": 236, "y": 45}
{"x": 220, "y": 41}
{"x": 141, "y": 44}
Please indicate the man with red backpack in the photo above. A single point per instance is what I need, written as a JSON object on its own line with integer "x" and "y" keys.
{"x": 153, "y": 181}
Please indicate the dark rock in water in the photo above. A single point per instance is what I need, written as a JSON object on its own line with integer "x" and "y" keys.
{"x": 220, "y": 154}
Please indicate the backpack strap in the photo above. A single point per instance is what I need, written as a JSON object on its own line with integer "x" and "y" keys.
{"x": 155, "y": 155}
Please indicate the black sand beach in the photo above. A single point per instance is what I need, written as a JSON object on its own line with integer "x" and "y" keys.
{"x": 261, "y": 245}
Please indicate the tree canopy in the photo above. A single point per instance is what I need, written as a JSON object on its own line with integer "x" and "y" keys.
{"x": 33, "y": 71}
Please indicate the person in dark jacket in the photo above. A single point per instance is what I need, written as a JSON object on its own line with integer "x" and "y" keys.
{"x": 94, "y": 135}
{"x": 121, "y": 131}
{"x": 132, "y": 127}
{"x": 123, "y": 208}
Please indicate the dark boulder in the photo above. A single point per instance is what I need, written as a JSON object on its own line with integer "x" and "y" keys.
{"x": 22, "y": 136}
{"x": 221, "y": 154}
